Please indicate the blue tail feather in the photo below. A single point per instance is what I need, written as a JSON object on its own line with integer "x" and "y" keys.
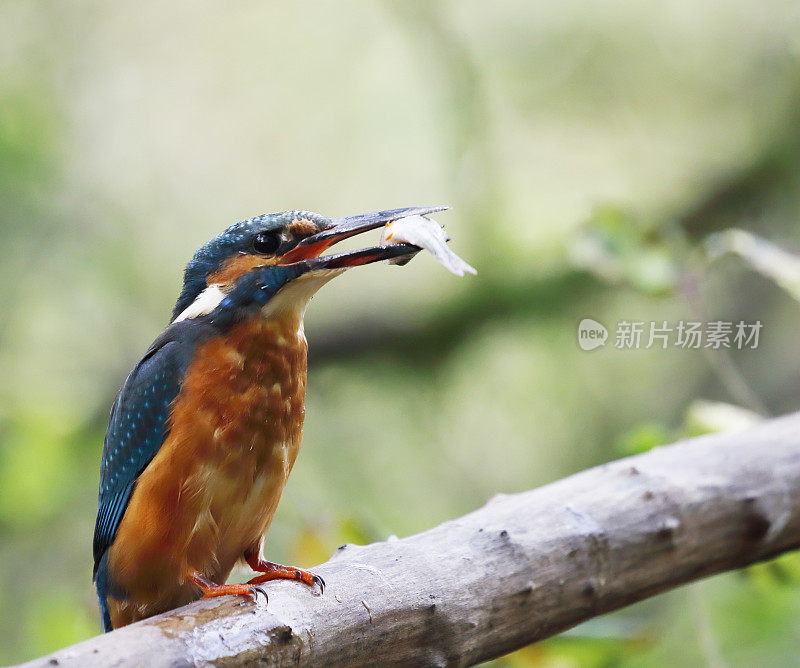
{"x": 101, "y": 582}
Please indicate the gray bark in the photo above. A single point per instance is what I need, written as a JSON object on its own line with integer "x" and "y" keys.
{"x": 522, "y": 568}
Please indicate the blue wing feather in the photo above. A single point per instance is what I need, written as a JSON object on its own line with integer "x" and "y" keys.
{"x": 138, "y": 426}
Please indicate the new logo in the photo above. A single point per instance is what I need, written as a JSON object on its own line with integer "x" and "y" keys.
{"x": 591, "y": 334}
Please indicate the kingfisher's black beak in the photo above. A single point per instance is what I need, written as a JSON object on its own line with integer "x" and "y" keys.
{"x": 311, "y": 248}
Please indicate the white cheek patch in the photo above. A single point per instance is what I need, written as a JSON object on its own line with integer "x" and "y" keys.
{"x": 204, "y": 303}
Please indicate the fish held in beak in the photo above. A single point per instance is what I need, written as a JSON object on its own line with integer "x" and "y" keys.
{"x": 405, "y": 233}
{"x": 426, "y": 234}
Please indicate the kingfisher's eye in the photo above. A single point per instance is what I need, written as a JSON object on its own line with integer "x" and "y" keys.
{"x": 266, "y": 243}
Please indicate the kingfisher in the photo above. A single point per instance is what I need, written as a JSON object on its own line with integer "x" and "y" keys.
{"x": 207, "y": 426}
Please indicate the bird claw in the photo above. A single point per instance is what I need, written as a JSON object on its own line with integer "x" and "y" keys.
{"x": 315, "y": 580}
{"x": 259, "y": 590}
{"x": 269, "y": 571}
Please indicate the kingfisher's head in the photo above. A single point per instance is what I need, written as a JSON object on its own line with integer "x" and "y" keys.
{"x": 292, "y": 242}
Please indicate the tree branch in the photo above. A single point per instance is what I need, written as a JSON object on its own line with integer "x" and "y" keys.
{"x": 522, "y": 568}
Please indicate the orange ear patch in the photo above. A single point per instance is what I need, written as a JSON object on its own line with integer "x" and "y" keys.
{"x": 302, "y": 227}
{"x": 237, "y": 266}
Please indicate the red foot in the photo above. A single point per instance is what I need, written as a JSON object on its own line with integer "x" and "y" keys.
{"x": 211, "y": 589}
{"x": 270, "y": 571}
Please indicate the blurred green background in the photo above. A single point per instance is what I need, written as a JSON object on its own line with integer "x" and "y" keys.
{"x": 596, "y": 156}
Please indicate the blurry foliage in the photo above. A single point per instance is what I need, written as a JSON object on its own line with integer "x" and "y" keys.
{"x": 642, "y": 438}
{"x": 709, "y": 417}
{"x": 574, "y": 651}
{"x": 618, "y": 248}
{"x": 767, "y": 259}
{"x": 613, "y": 160}
{"x": 27, "y": 137}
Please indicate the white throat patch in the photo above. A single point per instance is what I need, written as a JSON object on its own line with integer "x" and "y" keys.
{"x": 292, "y": 300}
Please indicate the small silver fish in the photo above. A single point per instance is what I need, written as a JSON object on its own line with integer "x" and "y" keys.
{"x": 429, "y": 235}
